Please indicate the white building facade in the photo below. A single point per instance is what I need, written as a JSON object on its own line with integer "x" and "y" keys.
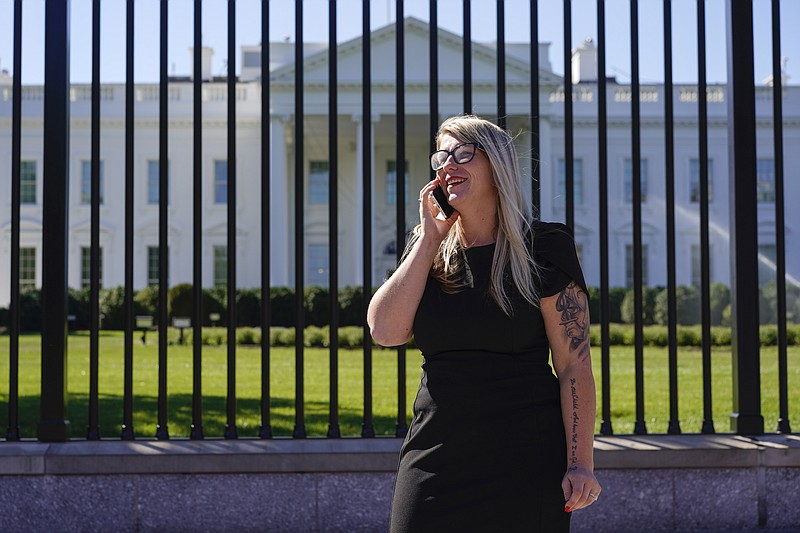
{"x": 351, "y": 174}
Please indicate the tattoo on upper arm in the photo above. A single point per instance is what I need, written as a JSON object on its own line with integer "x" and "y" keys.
{"x": 573, "y": 304}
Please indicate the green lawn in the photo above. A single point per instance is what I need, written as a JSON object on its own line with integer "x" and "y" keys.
{"x": 248, "y": 371}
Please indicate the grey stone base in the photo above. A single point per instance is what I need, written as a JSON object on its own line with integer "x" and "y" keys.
{"x": 650, "y": 484}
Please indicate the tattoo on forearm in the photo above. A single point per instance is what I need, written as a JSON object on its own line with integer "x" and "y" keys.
{"x": 573, "y": 455}
{"x": 573, "y": 304}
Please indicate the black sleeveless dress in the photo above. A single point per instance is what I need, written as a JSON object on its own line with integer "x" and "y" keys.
{"x": 486, "y": 449}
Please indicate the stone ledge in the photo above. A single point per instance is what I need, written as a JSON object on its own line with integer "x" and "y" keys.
{"x": 366, "y": 455}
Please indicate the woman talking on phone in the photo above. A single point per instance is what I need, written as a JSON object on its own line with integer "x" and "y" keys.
{"x": 497, "y": 442}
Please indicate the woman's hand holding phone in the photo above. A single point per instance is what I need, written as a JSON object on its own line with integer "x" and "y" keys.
{"x": 433, "y": 213}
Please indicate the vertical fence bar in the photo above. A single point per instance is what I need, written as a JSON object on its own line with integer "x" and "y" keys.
{"x": 400, "y": 196}
{"x": 746, "y": 418}
{"x": 127, "y": 432}
{"x": 230, "y": 426}
{"x": 433, "y": 88}
{"x": 534, "y": 118}
{"x": 569, "y": 149}
{"x": 674, "y": 425}
{"x": 265, "y": 432}
{"x": 467, "y": 56}
{"x": 705, "y": 277}
{"x": 12, "y": 431}
{"x": 93, "y": 431}
{"x": 367, "y": 426}
{"x": 606, "y": 427}
{"x": 501, "y": 64}
{"x": 636, "y": 205}
{"x": 53, "y": 425}
{"x": 333, "y": 220}
{"x": 162, "y": 431}
{"x": 780, "y": 238}
{"x": 299, "y": 246}
{"x": 196, "y": 430}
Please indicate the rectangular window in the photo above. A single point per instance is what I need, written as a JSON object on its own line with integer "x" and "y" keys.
{"x": 629, "y": 266}
{"x": 318, "y": 179}
{"x": 694, "y": 180}
{"x": 27, "y": 182}
{"x": 767, "y": 256}
{"x": 86, "y": 182}
{"x": 220, "y": 182}
{"x": 697, "y": 273}
{"x": 86, "y": 267}
{"x": 220, "y": 265}
{"x": 152, "y": 265}
{"x": 154, "y": 181}
{"x": 577, "y": 181}
{"x": 317, "y": 273}
{"x": 628, "y": 171}
{"x": 27, "y": 268}
{"x": 765, "y": 180}
{"x": 391, "y": 182}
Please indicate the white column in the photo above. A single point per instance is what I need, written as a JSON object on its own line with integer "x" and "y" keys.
{"x": 358, "y": 219}
{"x": 279, "y": 203}
{"x": 358, "y": 212}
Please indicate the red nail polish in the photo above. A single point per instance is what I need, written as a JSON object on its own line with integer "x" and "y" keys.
{"x": 566, "y": 509}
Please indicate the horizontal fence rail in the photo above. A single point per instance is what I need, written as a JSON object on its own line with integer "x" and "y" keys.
{"x": 294, "y": 180}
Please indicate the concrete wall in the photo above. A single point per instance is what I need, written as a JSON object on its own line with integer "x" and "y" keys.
{"x": 650, "y": 484}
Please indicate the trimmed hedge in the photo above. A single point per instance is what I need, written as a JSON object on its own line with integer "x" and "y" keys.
{"x": 352, "y": 313}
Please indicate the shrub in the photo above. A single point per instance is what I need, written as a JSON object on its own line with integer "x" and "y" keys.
{"x": 284, "y": 337}
{"x": 649, "y": 296}
{"x": 793, "y": 334}
{"x": 689, "y": 336}
{"x": 351, "y": 336}
{"x": 767, "y": 303}
{"x": 214, "y": 301}
{"x": 720, "y": 336}
{"x": 615, "y": 297}
{"x": 656, "y": 336}
{"x": 30, "y": 310}
{"x": 180, "y": 301}
{"x": 316, "y": 336}
{"x": 112, "y": 307}
{"x": 317, "y": 306}
{"x": 687, "y": 305}
{"x": 768, "y": 335}
{"x": 248, "y": 307}
{"x": 248, "y": 336}
{"x": 147, "y": 302}
{"x": 351, "y": 306}
{"x": 720, "y": 298}
{"x": 78, "y": 307}
{"x": 281, "y": 306}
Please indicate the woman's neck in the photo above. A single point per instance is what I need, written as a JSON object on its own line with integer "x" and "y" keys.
{"x": 478, "y": 232}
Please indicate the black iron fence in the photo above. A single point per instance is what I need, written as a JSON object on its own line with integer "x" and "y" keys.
{"x": 741, "y": 97}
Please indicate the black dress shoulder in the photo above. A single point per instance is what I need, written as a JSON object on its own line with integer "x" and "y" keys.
{"x": 486, "y": 449}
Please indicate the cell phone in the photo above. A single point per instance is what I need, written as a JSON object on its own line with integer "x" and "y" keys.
{"x": 444, "y": 206}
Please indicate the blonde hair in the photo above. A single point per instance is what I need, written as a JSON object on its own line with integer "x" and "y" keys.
{"x": 512, "y": 249}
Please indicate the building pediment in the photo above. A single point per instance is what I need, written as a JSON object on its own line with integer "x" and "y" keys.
{"x": 382, "y": 45}
{"x": 648, "y": 230}
{"x": 85, "y": 226}
{"x": 26, "y": 225}
{"x": 221, "y": 230}
{"x": 151, "y": 230}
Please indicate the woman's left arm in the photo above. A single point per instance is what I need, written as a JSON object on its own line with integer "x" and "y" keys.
{"x": 566, "y": 319}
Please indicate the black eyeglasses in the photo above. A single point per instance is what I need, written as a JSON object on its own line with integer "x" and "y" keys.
{"x": 463, "y": 153}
